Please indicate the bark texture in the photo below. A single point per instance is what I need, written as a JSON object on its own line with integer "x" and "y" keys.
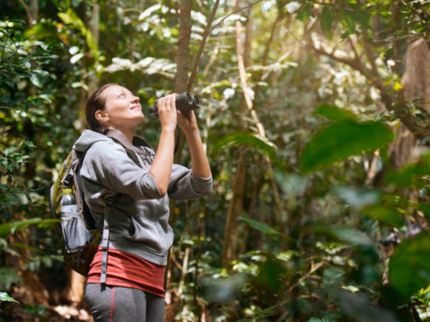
{"x": 416, "y": 84}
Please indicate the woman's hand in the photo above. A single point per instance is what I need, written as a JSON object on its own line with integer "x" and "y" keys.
{"x": 167, "y": 112}
{"x": 188, "y": 121}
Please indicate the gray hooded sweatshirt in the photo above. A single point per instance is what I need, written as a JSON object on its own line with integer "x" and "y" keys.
{"x": 138, "y": 219}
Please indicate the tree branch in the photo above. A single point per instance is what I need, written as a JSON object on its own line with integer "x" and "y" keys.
{"x": 202, "y": 46}
{"x": 27, "y": 10}
{"x": 391, "y": 103}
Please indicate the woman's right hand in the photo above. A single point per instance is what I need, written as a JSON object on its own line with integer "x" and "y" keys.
{"x": 167, "y": 112}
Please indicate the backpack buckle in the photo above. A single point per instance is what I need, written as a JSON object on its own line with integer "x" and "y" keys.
{"x": 69, "y": 177}
{"x": 109, "y": 201}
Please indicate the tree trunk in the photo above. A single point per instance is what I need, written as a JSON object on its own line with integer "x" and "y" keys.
{"x": 416, "y": 84}
{"x": 34, "y": 8}
{"x": 181, "y": 81}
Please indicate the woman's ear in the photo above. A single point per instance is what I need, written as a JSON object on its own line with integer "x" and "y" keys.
{"x": 102, "y": 116}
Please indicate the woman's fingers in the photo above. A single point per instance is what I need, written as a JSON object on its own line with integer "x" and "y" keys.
{"x": 167, "y": 111}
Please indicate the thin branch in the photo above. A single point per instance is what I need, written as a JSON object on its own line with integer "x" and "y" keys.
{"x": 294, "y": 36}
{"x": 27, "y": 10}
{"x": 357, "y": 56}
{"x": 236, "y": 11}
{"x": 202, "y": 46}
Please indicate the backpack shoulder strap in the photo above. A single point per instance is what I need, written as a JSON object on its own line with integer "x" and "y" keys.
{"x": 120, "y": 138}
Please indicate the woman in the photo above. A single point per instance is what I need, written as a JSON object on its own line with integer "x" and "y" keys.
{"x": 127, "y": 190}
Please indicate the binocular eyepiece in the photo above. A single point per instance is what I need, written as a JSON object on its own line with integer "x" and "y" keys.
{"x": 184, "y": 103}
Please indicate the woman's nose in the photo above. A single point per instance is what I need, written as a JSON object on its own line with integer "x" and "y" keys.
{"x": 135, "y": 99}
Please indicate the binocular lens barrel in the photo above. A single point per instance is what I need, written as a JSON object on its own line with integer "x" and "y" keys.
{"x": 184, "y": 103}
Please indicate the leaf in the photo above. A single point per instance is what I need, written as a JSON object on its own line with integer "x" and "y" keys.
{"x": 9, "y": 150}
{"x": 409, "y": 268}
{"x": 75, "y": 58}
{"x": 26, "y": 247}
{"x": 357, "y": 198}
{"x": 260, "y": 226}
{"x": 35, "y": 79}
{"x": 341, "y": 140}
{"x": 8, "y": 276}
{"x": 6, "y": 298}
{"x": 385, "y": 214}
{"x": 304, "y": 14}
{"x": 364, "y": 19}
{"x": 348, "y": 22}
{"x": 334, "y": 113}
{"x": 14, "y": 226}
{"x": 326, "y": 22}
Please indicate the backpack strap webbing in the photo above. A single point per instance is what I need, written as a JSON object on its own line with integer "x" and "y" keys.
{"x": 105, "y": 239}
{"x": 122, "y": 139}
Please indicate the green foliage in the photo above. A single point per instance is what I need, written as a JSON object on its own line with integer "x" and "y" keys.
{"x": 344, "y": 138}
{"x": 327, "y": 22}
{"x": 409, "y": 267}
{"x": 259, "y": 225}
{"x": 341, "y": 140}
{"x": 8, "y": 277}
{"x": 4, "y": 297}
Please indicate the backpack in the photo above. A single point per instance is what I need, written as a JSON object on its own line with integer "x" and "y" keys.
{"x": 80, "y": 238}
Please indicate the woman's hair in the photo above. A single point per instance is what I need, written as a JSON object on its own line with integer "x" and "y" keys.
{"x": 96, "y": 102}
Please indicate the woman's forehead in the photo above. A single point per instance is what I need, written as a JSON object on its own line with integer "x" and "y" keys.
{"x": 112, "y": 90}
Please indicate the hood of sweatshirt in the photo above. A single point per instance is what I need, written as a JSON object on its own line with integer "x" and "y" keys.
{"x": 87, "y": 139}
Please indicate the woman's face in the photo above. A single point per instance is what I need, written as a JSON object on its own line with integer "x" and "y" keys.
{"x": 122, "y": 108}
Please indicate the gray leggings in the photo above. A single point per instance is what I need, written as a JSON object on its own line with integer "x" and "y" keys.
{"x": 119, "y": 304}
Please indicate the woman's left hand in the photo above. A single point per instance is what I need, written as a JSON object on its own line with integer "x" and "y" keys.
{"x": 188, "y": 121}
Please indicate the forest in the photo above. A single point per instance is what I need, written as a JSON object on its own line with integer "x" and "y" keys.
{"x": 314, "y": 115}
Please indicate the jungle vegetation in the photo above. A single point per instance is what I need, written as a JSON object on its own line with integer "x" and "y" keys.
{"x": 315, "y": 118}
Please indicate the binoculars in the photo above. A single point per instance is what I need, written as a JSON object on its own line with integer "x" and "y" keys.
{"x": 184, "y": 103}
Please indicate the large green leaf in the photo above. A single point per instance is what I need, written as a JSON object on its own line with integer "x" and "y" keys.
{"x": 341, "y": 140}
{"x": 348, "y": 22}
{"x": 409, "y": 268}
{"x": 326, "y": 22}
{"x": 334, "y": 113}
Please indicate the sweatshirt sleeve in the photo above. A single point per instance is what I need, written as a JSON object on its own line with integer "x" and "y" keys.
{"x": 184, "y": 184}
{"x": 108, "y": 164}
